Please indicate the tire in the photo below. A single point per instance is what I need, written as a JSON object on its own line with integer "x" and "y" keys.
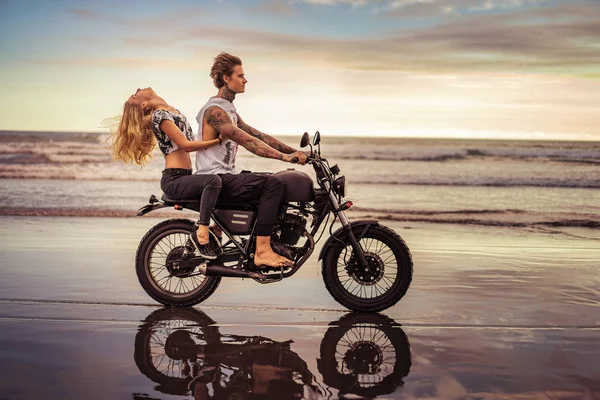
{"x": 387, "y": 281}
{"x": 356, "y": 356}
{"x": 150, "y": 262}
{"x": 153, "y": 357}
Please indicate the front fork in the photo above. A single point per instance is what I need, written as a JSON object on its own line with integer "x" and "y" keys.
{"x": 346, "y": 225}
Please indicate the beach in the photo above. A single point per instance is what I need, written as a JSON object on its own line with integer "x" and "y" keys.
{"x": 504, "y": 302}
{"x": 491, "y": 313}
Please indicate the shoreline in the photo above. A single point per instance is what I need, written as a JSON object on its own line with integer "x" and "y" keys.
{"x": 481, "y": 218}
{"x": 492, "y": 312}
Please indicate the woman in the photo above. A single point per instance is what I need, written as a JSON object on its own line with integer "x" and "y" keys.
{"x": 148, "y": 120}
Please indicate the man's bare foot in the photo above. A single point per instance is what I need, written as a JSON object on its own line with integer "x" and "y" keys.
{"x": 271, "y": 259}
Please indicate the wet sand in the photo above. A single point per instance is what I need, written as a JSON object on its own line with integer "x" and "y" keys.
{"x": 492, "y": 313}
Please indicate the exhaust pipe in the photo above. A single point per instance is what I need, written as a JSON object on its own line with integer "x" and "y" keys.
{"x": 220, "y": 270}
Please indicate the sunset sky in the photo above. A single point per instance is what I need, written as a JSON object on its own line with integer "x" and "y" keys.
{"x": 427, "y": 68}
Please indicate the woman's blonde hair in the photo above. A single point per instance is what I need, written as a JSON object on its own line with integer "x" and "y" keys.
{"x": 131, "y": 135}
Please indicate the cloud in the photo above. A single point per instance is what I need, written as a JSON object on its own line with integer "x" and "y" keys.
{"x": 84, "y": 13}
{"x": 505, "y": 42}
{"x": 355, "y": 3}
{"x": 275, "y": 7}
{"x": 561, "y": 40}
{"x": 125, "y": 62}
{"x": 436, "y": 8}
{"x": 431, "y": 8}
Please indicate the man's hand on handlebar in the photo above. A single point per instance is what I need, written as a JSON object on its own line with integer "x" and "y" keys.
{"x": 297, "y": 157}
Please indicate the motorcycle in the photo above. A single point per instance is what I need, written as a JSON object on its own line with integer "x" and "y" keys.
{"x": 184, "y": 352}
{"x": 366, "y": 266}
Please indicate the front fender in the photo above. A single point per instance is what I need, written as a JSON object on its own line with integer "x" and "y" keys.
{"x": 341, "y": 234}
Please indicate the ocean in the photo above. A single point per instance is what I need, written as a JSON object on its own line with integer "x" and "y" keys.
{"x": 553, "y": 186}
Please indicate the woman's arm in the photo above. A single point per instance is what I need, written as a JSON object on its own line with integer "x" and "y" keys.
{"x": 175, "y": 134}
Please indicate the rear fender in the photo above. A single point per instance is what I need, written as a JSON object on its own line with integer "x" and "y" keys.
{"x": 151, "y": 207}
{"x": 341, "y": 233}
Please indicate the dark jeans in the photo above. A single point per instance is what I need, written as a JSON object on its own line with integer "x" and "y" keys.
{"x": 180, "y": 184}
{"x": 252, "y": 188}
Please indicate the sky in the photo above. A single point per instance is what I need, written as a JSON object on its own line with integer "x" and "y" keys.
{"x": 515, "y": 69}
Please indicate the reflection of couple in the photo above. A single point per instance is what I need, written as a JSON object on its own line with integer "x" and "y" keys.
{"x": 184, "y": 352}
{"x": 148, "y": 120}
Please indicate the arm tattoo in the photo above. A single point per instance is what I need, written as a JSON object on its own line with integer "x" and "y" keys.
{"x": 222, "y": 123}
{"x": 271, "y": 141}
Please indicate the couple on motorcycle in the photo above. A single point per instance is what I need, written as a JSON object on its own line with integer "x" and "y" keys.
{"x": 148, "y": 120}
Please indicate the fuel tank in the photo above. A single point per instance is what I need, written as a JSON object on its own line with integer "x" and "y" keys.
{"x": 298, "y": 185}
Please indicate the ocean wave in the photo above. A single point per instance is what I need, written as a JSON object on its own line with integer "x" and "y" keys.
{"x": 87, "y": 212}
{"x": 493, "y": 218}
{"x": 555, "y": 152}
{"x": 500, "y": 218}
{"x": 435, "y": 212}
{"x": 72, "y": 156}
{"x": 376, "y": 149}
{"x": 589, "y": 183}
{"x": 94, "y": 171}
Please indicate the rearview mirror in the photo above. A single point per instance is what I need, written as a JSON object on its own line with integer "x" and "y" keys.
{"x": 317, "y": 138}
{"x": 305, "y": 140}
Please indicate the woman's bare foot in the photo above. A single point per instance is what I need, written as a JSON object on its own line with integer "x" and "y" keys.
{"x": 271, "y": 259}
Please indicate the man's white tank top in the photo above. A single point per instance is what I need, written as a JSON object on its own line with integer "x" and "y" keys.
{"x": 218, "y": 159}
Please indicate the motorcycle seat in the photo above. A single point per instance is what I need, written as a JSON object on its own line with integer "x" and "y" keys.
{"x": 193, "y": 204}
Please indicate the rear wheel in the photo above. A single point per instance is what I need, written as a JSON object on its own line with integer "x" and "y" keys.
{"x": 160, "y": 247}
{"x": 382, "y": 283}
{"x": 167, "y": 343}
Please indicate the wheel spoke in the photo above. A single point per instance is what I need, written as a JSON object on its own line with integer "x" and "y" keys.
{"x": 391, "y": 256}
{"x": 380, "y": 254}
{"x": 184, "y": 285}
{"x": 391, "y": 282}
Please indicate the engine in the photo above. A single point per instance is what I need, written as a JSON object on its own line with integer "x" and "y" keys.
{"x": 288, "y": 231}
{"x": 291, "y": 228}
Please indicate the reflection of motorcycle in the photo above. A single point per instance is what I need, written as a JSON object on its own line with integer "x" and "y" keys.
{"x": 183, "y": 351}
{"x": 366, "y": 266}
{"x": 365, "y": 355}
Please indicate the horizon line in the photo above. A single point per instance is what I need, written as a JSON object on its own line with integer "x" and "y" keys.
{"x": 560, "y": 137}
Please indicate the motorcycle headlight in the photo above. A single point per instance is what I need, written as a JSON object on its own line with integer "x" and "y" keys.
{"x": 340, "y": 186}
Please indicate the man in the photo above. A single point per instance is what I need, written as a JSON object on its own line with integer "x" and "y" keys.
{"x": 219, "y": 119}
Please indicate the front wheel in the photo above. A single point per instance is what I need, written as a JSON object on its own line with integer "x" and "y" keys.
{"x": 382, "y": 283}
{"x": 366, "y": 355}
{"x": 162, "y": 245}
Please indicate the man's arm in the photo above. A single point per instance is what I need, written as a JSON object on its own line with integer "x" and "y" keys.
{"x": 270, "y": 140}
{"x": 222, "y": 123}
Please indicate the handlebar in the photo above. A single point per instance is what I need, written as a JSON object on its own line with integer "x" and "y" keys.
{"x": 309, "y": 159}
{"x": 314, "y": 157}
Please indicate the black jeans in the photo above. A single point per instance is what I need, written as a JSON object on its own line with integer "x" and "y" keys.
{"x": 180, "y": 184}
{"x": 252, "y": 188}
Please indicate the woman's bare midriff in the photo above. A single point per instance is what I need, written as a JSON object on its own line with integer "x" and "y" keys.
{"x": 178, "y": 159}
